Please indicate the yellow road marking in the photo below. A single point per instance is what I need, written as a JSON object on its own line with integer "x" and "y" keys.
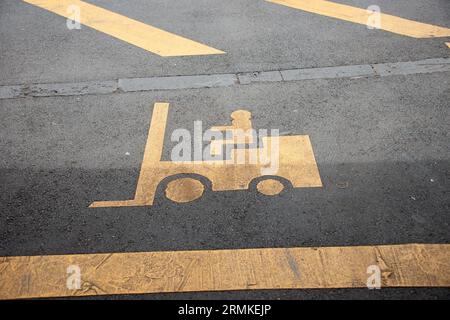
{"x": 270, "y": 187}
{"x": 294, "y": 159}
{"x": 144, "y": 36}
{"x": 184, "y": 190}
{"x": 357, "y": 15}
{"x": 448, "y": 44}
{"x": 409, "y": 265}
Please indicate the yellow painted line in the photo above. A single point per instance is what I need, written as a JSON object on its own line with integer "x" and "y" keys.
{"x": 408, "y": 265}
{"x": 144, "y": 36}
{"x": 448, "y": 44}
{"x": 357, "y": 15}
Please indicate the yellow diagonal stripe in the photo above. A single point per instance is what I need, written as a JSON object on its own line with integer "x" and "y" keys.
{"x": 144, "y": 36}
{"x": 357, "y": 15}
{"x": 408, "y": 265}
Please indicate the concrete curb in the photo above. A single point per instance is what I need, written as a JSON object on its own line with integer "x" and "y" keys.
{"x": 223, "y": 80}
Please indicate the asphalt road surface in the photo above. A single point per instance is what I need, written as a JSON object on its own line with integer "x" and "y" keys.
{"x": 75, "y": 108}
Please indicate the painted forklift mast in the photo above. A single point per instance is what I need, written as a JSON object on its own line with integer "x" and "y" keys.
{"x": 294, "y": 157}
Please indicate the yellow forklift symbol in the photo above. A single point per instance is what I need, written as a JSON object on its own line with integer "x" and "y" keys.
{"x": 296, "y": 165}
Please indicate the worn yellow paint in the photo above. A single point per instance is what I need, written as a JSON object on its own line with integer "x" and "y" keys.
{"x": 270, "y": 187}
{"x": 184, "y": 190}
{"x": 357, "y": 15}
{"x": 448, "y": 44}
{"x": 295, "y": 160}
{"x": 144, "y": 36}
{"x": 408, "y": 265}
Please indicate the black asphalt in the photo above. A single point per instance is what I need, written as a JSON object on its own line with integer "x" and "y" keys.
{"x": 381, "y": 144}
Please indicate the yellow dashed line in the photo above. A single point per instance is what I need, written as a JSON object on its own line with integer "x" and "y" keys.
{"x": 409, "y": 265}
{"x": 357, "y": 15}
{"x": 137, "y": 33}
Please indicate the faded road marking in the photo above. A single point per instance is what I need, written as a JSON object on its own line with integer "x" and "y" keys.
{"x": 292, "y": 156}
{"x": 408, "y": 265}
{"x": 144, "y": 36}
{"x": 388, "y": 22}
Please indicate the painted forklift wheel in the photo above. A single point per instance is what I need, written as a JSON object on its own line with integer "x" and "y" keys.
{"x": 270, "y": 187}
{"x": 184, "y": 190}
